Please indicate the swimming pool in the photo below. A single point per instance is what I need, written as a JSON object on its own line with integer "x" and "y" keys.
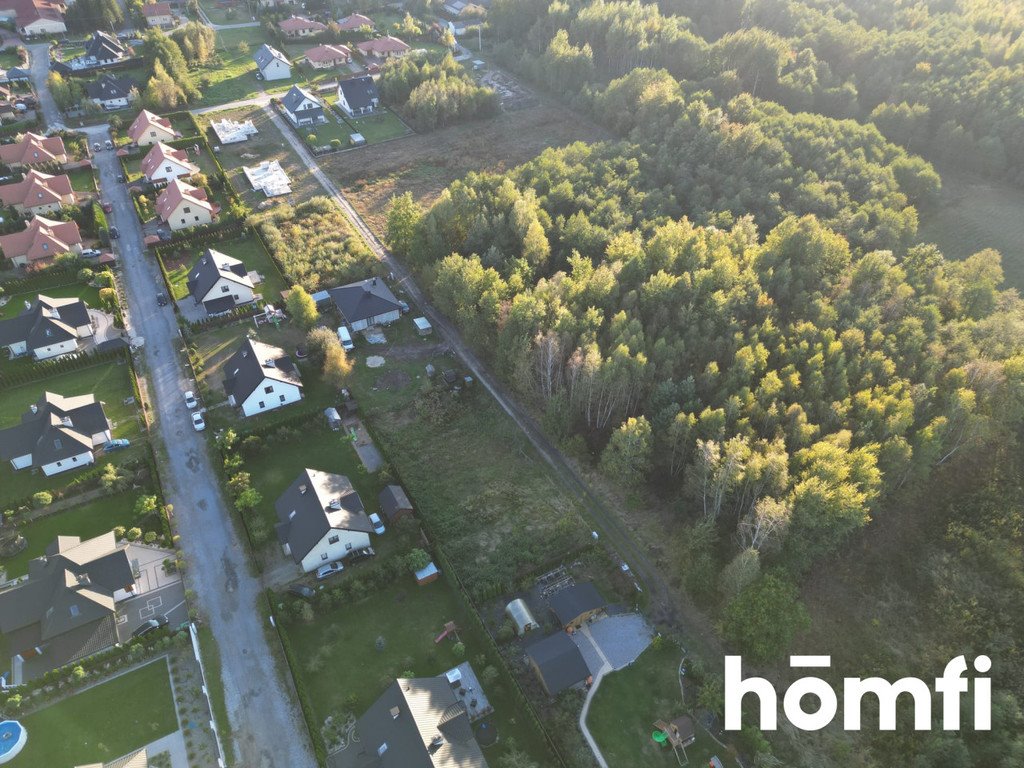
{"x": 12, "y": 739}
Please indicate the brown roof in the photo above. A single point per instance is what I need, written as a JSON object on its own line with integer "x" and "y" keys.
{"x": 325, "y": 53}
{"x": 295, "y": 23}
{"x": 156, "y": 9}
{"x": 160, "y": 153}
{"x": 145, "y": 121}
{"x": 33, "y": 149}
{"x": 381, "y": 45}
{"x": 41, "y": 239}
{"x": 176, "y": 193}
{"x": 28, "y": 11}
{"x": 355, "y": 21}
{"x": 36, "y": 189}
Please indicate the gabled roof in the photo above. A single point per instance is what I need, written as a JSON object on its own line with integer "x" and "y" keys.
{"x": 559, "y": 661}
{"x": 146, "y": 120}
{"x": 68, "y": 589}
{"x": 296, "y": 23}
{"x": 296, "y": 96}
{"x": 325, "y": 53}
{"x": 30, "y": 11}
{"x": 360, "y": 92}
{"x": 365, "y": 299}
{"x": 266, "y": 54}
{"x": 252, "y": 363}
{"x": 45, "y": 322}
{"x": 36, "y": 189}
{"x": 382, "y": 45}
{"x": 178, "y": 192}
{"x": 573, "y": 601}
{"x": 423, "y": 724}
{"x": 149, "y": 10}
{"x": 318, "y": 502}
{"x": 41, "y": 239}
{"x": 160, "y": 154}
{"x": 355, "y": 21}
{"x": 393, "y": 499}
{"x": 103, "y": 46}
{"x": 211, "y": 268}
{"x": 59, "y": 428}
{"x": 32, "y": 149}
{"x": 108, "y": 88}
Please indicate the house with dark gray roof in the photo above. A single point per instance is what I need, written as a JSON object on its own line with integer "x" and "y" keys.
{"x": 575, "y": 604}
{"x": 47, "y": 328}
{"x": 358, "y": 96}
{"x": 368, "y": 302}
{"x": 418, "y": 722}
{"x": 57, "y": 434}
{"x": 271, "y": 64}
{"x": 104, "y": 49}
{"x": 558, "y": 663}
{"x": 112, "y": 92}
{"x": 66, "y": 609}
{"x": 394, "y": 503}
{"x": 220, "y": 283}
{"x": 322, "y": 519}
{"x": 302, "y": 108}
{"x": 260, "y": 377}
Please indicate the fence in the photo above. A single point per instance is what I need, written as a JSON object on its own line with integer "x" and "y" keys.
{"x": 75, "y": 362}
{"x": 221, "y": 761}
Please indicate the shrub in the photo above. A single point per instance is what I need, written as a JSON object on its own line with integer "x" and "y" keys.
{"x": 417, "y": 560}
{"x": 459, "y": 649}
{"x": 133, "y": 534}
{"x": 150, "y": 537}
{"x": 42, "y": 499}
{"x": 119, "y": 531}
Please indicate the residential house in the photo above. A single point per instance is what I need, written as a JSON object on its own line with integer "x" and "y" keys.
{"x": 573, "y": 605}
{"x": 558, "y": 664}
{"x": 164, "y": 163}
{"x": 321, "y": 519}
{"x": 354, "y": 22}
{"x": 182, "y": 206}
{"x": 112, "y": 92}
{"x": 386, "y": 47}
{"x": 35, "y": 17}
{"x": 38, "y": 193}
{"x": 268, "y": 177}
{"x": 41, "y": 241}
{"x": 368, "y": 302}
{"x": 220, "y": 283}
{"x": 302, "y": 108}
{"x": 230, "y": 131}
{"x": 158, "y": 15}
{"x": 46, "y": 328}
{"x": 419, "y": 722}
{"x": 260, "y": 378}
{"x": 394, "y": 503}
{"x": 271, "y": 64}
{"x": 33, "y": 149}
{"x": 328, "y": 56}
{"x": 148, "y": 128}
{"x": 358, "y": 96}
{"x": 56, "y": 435}
{"x": 462, "y": 8}
{"x": 67, "y": 608}
{"x": 104, "y": 49}
{"x": 299, "y": 26}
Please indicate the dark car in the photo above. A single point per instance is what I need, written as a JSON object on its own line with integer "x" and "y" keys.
{"x": 107, "y": 206}
{"x": 150, "y": 625}
{"x": 114, "y": 233}
{"x": 121, "y": 179}
{"x": 301, "y": 590}
{"x": 161, "y": 299}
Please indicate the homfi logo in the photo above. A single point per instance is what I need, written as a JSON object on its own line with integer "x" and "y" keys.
{"x": 951, "y": 686}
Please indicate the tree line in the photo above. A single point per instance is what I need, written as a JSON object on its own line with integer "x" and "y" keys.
{"x": 432, "y": 95}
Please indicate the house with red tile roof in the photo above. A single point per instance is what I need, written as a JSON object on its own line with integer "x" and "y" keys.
{"x": 158, "y": 15}
{"x": 386, "y": 47}
{"x": 35, "y": 17}
{"x": 328, "y": 56}
{"x": 38, "y": 193}
{"x": 163, "y": 163}
{"x": 33, "y": 149}
{"x": 148, "y": 128}
{"x": 300, "y": 26}
{"x": 182, "y": 206}
{"x": 41, "y": 241}
{"x": 354, "y": 22}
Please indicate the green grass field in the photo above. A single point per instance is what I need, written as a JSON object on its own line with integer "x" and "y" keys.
{"x": 82, "y": 180}
{"x": 975, "y": 214}
{"x": 249, "y": 250}
{"x": 102, "y": 723}
{"x": 627, "y": 704}
{"x": 383, "y": 126}
{"x": 233, "y": 76}
{"x": 16, "y": 305}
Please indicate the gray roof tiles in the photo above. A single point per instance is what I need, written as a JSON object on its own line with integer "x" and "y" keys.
{"x": 315, "y": 503}
{"x": 60, "y": 428}
{"x": 212, "y": 267}
{"x": 47, "y": 321}
{"x": 365, "y": 299}
{"x": 559, "y": 661}
{"x": 248, "y": 367}
{"x": 359, "y": 91}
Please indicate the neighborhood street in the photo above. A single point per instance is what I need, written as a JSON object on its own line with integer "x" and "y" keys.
{"x": 39, "y": 69}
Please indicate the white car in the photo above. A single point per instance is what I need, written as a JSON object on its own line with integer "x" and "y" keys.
{"x": 197, "y": 421}
{"x": 377, "y": 523}
{"x": 190, "y": 400}
{"x": 324, "y": 571}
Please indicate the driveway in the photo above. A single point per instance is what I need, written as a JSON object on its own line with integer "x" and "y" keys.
{"x": 159, "y": 593}
{"x": 39, "y": 70}
{"x": 260, "y": 708}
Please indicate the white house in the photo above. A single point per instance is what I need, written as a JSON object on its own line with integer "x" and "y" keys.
{"x": 112, "y": 92}
{"x": 149, "y": 128}
{"x": 358, "y": 96}
{"x": 47, "y": 328}
{"x": 322, "y": 519}
{"x": 302, "y": 108}
{"x": 260, "y": 377}
{"x": 271, "y": 64}
{"x": 164, "y": 163}
{"x": 182, "y": 206}
{"x": 56, "y": 435}
{"x": 220, "y": 283}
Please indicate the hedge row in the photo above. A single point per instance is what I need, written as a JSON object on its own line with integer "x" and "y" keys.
{"x": 49, "y": 277}
{"x": 14, "y": 129}
{"x": 47, "y": 368}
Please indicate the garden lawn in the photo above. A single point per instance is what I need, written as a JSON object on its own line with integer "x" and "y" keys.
{"x": 102, "y": 723}
{"x": 9, "y": 57}
{"x": 16, "y": 305}
{"x": 233, "y": 76}
{"x": 86, "y": 520}
{"x": 380, "y": 127}
{"x": 324, "y": 133}
{"x": 248, "y": 249}
{"x": 82, "y": 180}
{"x": 628, "y": 702}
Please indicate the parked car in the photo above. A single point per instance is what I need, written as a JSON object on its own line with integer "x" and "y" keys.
{"x": 91, "y": 253}
{"x": 377, "y": 523}
{"x": 161, "y": 299}
{"x": 301, "y": 590}
{"x": 116, "y": 444}
{"x": 109, "y": 144}
{"x": 96, "y": 147}
{"x": 326, "y": 571}
{"x": 360, "y": 554}
{"x": 190, "y": 400}
{"x": 197, "y": 421}
{"x": 121, "y": 179}
{"x": 107, "y": 206}
{"x": 150, "y": 625}
{"x": 114, "y": 233}
{"x": 345, "y": 338}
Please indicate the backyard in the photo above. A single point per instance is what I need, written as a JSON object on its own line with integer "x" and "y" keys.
{"x": 247, "y": 249}
{"x": 102, "y": 723}
{"x": 16, "y": 305}
{"x": 82, "y": 180}
{"x": 382, "y": 126}
{"x": 233, "y": 76}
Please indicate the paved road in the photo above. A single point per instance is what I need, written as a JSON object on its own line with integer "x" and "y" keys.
{"x": 39, "y": 70}
{"x": 260, "y": 709}
{"x": 666, "y": 605}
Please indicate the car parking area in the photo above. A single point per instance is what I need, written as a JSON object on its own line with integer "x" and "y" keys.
{"x": 614, "y": 640}
{"x": 158, "y": 593}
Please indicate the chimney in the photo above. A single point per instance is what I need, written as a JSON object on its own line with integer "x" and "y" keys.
{"x": 34, "y": 408}
{"x": 268, "y": 363}
{"x": 335, "y": 504}
{"x": 303, "y": 488}
{"x": 435, "y": 744}
{"x": 84, "y": 580}
{"x": 28, "y": 304}
{"x": 395, "y": 712}
{"x": 66, "y": 421}
{"x": 245, "y": 352}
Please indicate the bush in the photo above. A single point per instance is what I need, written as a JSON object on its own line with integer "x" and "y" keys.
{"x": 417, "y": 560}
{"x": 133, "y": 534}
{"x": 119, "y": 531}
{"x": 42, "y": 499}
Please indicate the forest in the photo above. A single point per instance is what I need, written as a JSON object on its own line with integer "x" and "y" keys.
{"x": 434, "y": 95}
{"x": 729, "y": 310}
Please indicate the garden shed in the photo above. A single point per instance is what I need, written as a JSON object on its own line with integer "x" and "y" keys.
{"x": 333, "y": 418}
{"x": 521, "y": 616}
{"x": 423, "y": 327}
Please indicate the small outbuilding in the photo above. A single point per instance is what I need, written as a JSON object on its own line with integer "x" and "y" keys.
{"x": 573, "y": 605}
{"x": 394, "y": 503}
{"x": 423, "y": 326}
{"x": 521, "y": 615}
{"x": 558, "y": 663}
{"x": 333, "y": 418}
{"x": 428, "y": 574}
